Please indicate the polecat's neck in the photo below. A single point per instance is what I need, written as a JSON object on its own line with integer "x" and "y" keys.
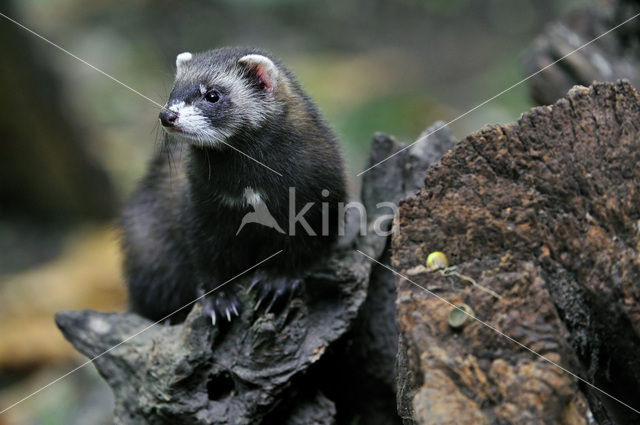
{"x": 221, "y": 176}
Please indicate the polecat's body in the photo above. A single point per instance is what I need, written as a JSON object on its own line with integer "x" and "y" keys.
{"x": 183, "y": 229}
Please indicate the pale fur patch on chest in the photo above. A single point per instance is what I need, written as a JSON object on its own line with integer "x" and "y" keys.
{"x": 250, "y": 196}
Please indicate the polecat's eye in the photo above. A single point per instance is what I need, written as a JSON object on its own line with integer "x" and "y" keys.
{"x": 212, "y": 96}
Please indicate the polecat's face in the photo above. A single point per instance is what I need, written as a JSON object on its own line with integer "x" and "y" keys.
{"x": 214, "y": 96}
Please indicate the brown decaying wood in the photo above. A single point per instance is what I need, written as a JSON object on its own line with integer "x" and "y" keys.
{"x": 546, "y": 212}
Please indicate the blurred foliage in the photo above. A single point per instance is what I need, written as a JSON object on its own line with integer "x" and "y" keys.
{"x": 435, "y": 46}
{"x": 396, "y": 113}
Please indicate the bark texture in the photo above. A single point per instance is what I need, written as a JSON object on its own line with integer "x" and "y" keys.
{"x": 546, "y": 212}
{"x": 327, "y": 358}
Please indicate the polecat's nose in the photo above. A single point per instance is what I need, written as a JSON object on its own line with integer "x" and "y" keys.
{"x": 168, "y": 117}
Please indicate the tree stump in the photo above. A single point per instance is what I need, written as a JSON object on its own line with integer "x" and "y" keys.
{"x": 306, "y": 365}
{"x": 546, "y": 212}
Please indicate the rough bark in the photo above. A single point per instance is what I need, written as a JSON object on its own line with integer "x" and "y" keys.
{"x": 605, "y": 59}
{"x": 315, "y": 363}
{"x": 546, "y": 212}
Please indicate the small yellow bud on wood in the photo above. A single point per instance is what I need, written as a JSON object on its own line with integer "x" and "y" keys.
{"x": 437, "y": 261}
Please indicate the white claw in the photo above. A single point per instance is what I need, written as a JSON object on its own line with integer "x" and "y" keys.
{"x": 213, "y": 317}
{"x": 273, "y": 301}
{"x": 228, "y": 315}
{"x": 254, "y": 282}
{"x": 235, "y": 310}
{"x": 257, "y": 306}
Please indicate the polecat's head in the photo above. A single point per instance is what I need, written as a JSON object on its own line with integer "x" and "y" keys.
{"x": 218, "y": 93}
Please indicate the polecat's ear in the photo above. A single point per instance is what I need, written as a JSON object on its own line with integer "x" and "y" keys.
{"x": 182, "y": 58}
{"x": 262, "y": 68}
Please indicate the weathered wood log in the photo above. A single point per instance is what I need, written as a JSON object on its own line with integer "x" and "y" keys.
{"x": 546, "y": 212}
{"x": 315, "y": 362}
{"x": 605, "y": 59}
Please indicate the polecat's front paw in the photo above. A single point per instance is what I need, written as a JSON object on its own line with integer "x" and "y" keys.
{"x": 273, "y": 292}
{"x": 221, "y": 304}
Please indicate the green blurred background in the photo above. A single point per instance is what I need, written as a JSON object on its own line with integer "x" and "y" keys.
{"x": 75, "y": 142}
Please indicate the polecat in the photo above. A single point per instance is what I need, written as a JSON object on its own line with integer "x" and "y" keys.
{"x": 243, "y": 141}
